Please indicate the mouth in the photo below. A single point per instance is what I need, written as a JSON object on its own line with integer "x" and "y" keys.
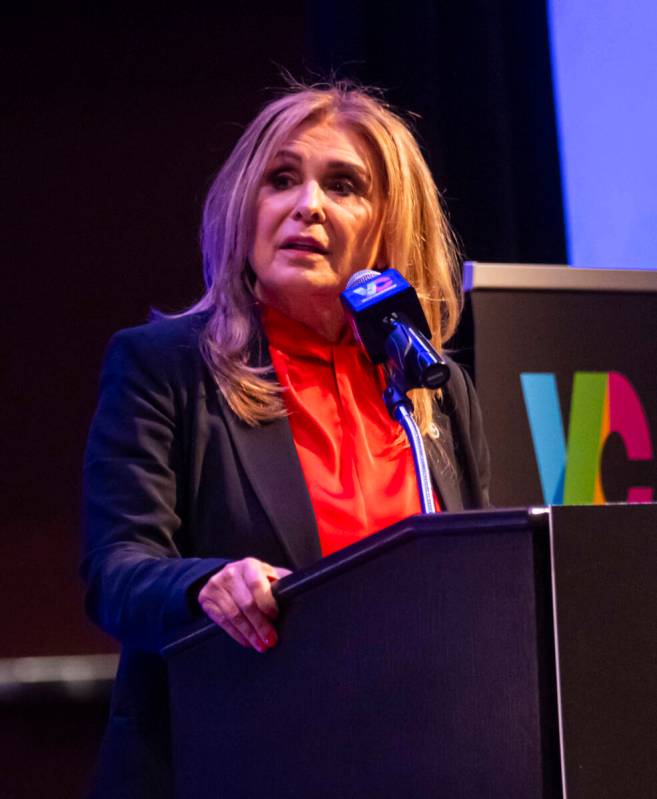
{"x": 304, "y": 244}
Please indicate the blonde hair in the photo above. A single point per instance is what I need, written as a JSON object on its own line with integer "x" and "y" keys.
{"x": 416, "y": 239}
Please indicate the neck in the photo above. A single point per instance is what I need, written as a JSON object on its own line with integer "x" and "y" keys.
{"x": 322, "y": 314}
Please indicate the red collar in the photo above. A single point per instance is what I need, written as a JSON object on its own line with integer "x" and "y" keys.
{"x": 298, "y": 340}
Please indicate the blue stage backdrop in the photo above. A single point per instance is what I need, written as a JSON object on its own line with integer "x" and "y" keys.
{"x": 605, "y": 79}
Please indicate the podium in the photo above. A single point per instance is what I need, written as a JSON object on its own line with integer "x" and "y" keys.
{"x": 498, "y": 654}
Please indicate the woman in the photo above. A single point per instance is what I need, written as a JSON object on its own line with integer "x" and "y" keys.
{"x": 247, "y": 437}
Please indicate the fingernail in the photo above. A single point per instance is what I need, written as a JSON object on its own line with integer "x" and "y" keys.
{"x": 260, "y": 646}
{"x": 271, "y": 639}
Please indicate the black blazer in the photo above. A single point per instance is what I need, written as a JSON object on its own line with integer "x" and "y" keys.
{"x": 175, "y": 486}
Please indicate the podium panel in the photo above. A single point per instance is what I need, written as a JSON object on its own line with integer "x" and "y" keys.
{"x": 605, "y": 571}
{"x": 492, "y": 654}
{"x": 416, "y": 663}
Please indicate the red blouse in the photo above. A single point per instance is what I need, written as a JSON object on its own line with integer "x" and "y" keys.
{"x": 356, "y": 461}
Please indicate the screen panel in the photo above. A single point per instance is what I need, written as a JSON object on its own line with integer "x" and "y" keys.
{"x": 604, "y": 74}
{"x": 569, "y": 393}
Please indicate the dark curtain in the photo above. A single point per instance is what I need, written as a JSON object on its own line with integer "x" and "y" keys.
{"x": 477, "y": 72}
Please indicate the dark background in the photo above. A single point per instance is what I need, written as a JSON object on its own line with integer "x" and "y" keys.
{"x": 115, "y": 122}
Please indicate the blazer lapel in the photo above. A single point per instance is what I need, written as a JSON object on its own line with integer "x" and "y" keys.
{"x": 272, "y": 465}
{"x": 270, "y": 460}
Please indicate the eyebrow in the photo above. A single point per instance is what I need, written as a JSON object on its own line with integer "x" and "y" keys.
{"x": 362, "y": 171}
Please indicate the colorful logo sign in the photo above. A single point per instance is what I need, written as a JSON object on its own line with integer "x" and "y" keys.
{"x": 602, "y": 403}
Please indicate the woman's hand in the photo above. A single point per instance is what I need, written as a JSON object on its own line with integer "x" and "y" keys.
{"x": 239, "y": 599}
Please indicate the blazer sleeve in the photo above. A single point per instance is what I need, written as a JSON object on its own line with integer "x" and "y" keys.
{"x": 478, "y": 442}
{"x": 470, "y": 448}
{"x": 138, "y": 585}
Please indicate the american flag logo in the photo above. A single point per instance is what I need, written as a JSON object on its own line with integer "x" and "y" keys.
{"x": 376, "y": 286}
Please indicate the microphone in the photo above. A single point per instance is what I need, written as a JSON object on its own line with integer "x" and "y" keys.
{"x": 388, "y": 320}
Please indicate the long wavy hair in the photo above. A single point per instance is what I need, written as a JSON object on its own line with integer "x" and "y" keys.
{"x": 416, "y": 240}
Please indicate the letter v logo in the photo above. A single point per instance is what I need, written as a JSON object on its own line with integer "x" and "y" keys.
{"x": 602, "y": 403}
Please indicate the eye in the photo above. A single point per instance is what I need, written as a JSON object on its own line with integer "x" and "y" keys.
{"x": 343, "y": 186}
{"x": 280, "y": 179}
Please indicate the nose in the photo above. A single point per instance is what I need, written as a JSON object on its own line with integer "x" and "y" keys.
{"x": 310, "y": 203}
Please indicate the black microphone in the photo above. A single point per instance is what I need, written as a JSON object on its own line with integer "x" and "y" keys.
{"x": 387, "y": 318}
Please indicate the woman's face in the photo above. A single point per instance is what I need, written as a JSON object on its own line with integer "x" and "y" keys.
{"x": 318, "y": 215}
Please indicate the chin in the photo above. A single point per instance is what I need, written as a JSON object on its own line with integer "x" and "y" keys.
{"x": 329, "y": 284}
{"x": 315, "y": 278}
